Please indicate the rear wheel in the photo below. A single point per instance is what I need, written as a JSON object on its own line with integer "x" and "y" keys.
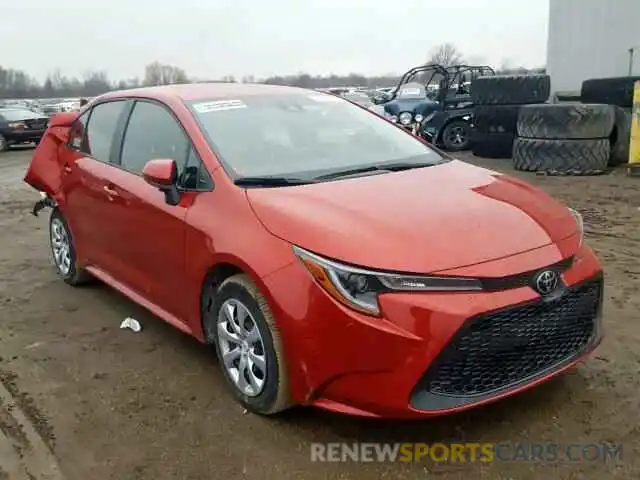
{"x": 240, "y": 324}
{"x": 456, "y": 136}
{"x": 64, "y": 252}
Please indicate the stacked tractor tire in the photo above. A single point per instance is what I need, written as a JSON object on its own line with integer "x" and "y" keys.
{"x": 512, "y": 119}
{"x": 564, "y": 139}
{"x": 497, "y": 102}
{"x": 617, "y": 92}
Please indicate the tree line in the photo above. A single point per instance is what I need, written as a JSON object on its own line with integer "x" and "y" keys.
{"x": 15, "y": 84}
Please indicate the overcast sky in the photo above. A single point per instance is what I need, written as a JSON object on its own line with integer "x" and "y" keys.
{"x": 213, "y": 38}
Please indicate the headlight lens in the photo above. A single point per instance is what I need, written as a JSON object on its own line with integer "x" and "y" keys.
{"x": 418, "y": 118}
{"x": 405, "y": 118}
{"x": 359, "y": 288}
{"x": 577, "y": 216}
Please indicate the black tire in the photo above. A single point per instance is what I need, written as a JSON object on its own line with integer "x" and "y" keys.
{"x": 492, "y": 145}
{"x": 566, "y": 121}
{"x": 75, "y": 275}
{"x": 561, "y": 157}
{"x": 456, "y": 136}
{"x": 275, "y": 396}
{"x": 510, "y": 89}
{"x": 495, "y": 118}
{"x": 620, "y": 137}
{"x": 613, "y": 91}
{"x": 4, "y": 145}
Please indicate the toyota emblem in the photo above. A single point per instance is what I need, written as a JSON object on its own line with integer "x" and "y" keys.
{"x": 546, "y": 282}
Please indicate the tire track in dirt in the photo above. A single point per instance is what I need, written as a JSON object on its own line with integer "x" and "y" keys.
{"x": 26, "y": 439}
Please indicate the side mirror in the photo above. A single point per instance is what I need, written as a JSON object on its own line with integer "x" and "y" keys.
{"x": 62, "y": 119}
{"x": 163, "y": 175}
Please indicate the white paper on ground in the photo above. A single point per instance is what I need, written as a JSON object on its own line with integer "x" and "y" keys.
{"x": 131, "y": 324}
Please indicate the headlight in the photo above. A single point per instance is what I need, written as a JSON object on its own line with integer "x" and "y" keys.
{"x": 393, "y": 118}
{"x": 405, "y": 118}
{"x": 418, "y": 118}
{"x": 577, "y": 216}
{"x": 358, "y": 288}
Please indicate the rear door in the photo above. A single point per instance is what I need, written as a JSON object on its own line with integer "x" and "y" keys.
{"x": 88, "y": 158}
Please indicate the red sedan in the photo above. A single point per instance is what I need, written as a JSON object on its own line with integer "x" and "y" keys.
{"x": 330, "y": 257}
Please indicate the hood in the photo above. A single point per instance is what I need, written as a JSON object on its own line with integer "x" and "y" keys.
{"x": 422, "y": 221}
{"x": 422, "y": 106}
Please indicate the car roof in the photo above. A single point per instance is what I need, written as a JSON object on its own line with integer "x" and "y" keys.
{"x": 206, "y": 91}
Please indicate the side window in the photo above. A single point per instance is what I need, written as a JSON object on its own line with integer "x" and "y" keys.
{"x": 152, "y": 133}
{"x": 101, "y": 129}
{"x": 77, "y": 133}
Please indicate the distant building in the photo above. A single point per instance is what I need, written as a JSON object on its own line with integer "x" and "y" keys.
{"x": 591, "y": 39}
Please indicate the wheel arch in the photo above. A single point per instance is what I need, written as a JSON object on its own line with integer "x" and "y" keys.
{"x": 217, "y": 272}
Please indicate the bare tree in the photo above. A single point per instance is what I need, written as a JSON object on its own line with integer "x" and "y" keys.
{"x": 158, "y": 74}
{"x": 96, "y": 83}
{"x": 446, "y": 55}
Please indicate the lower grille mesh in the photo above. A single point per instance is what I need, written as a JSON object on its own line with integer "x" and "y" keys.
{"x": 506, "y": 347}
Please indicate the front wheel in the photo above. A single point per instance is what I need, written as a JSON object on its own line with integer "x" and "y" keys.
{"x": 456, "y": 136}
{"x": 240, "y": 324}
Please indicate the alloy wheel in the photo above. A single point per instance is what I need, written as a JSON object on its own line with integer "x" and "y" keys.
{"x": 60, "y": 246}
{"x": 457, "y": 136}
{"x": 241, "y": 347}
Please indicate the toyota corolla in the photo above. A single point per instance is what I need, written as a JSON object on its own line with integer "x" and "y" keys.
{"x": 330, "y": 257}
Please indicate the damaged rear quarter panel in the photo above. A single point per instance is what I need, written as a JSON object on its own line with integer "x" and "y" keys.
{"x": 46, "y": 170}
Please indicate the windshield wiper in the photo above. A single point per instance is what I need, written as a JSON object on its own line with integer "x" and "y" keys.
{"x": 270, "y": 181}
{"x": 385, "y": 167}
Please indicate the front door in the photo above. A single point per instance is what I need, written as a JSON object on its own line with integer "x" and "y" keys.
{"x": 152, "y": 233}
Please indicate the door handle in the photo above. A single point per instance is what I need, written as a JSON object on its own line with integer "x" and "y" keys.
{"x": 110, "y": 191}
{"x": 67, "y": 169}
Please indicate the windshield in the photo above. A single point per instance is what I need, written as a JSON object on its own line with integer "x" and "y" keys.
{"x": 412, "y": 90}
{"x": 303, "y": 135}
{"x": 16, "y": 115}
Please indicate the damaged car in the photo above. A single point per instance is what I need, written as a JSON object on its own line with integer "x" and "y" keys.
{"x": 334, "y": 260}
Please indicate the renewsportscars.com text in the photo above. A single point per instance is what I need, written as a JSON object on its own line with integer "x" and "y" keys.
{"x": 465, "y": 452}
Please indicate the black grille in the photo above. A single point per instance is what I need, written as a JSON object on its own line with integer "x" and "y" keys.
{"x": 501, "y": 349}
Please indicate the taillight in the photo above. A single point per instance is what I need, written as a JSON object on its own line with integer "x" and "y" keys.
{"x": 17, "y": 125}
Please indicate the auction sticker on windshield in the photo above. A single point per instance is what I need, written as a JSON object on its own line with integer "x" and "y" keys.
{"x": 207, "y": 107}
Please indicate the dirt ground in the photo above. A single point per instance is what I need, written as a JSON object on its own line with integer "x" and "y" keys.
{"x": 82, "y": 399}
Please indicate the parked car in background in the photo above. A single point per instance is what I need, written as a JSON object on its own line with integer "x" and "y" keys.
{"x": 330, "y": 258}
{"x": 19, "y": 126}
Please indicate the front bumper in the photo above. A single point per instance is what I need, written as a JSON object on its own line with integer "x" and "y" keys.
{"x": 430, "y": 353}
{"x": 24, "y": 135}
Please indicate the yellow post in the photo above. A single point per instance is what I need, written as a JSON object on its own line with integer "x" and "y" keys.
{"x": 634, "y": 147}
